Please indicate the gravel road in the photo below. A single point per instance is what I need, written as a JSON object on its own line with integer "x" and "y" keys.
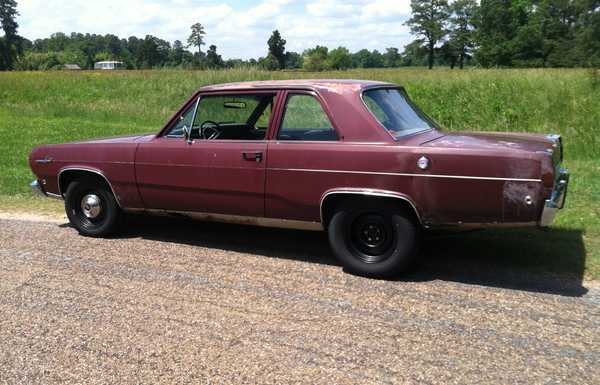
{"x": 174, "y": 301}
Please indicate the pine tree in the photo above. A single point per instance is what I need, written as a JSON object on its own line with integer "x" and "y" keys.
{"x": 10, "y": 42}
{"x": 429, "y": 19}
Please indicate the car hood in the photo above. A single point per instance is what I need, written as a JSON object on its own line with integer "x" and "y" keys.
{"x": 118, "y": 139}
{"x": 495, "y": 141}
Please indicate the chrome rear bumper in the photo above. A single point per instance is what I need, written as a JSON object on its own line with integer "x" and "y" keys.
{"x": 557, "y": 198}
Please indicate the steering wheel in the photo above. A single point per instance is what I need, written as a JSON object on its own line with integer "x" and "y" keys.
{"x": 209, "y": 130}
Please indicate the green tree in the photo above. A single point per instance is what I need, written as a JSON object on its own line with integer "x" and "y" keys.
{"x": 196, "y": 38}
{"x": 153, "y": 52}
{"x": 10, "y": 43}
{"x": 339, "y": 59}
{"x": 462, "y": 28}
{"x": 57, "y": 42}
{"x": 277, "y": 48}
{"x": 367, "y": 59}
{"x": 587, "y": 35}
{"x": 315, "y": 59}
{"x": 269, "y": 62}
{"x": 392, "y": 58}
{"x": 293, "y": 60}
{"x": 414, "y": 54}
{"x": 213, "y": 59}
{"x": 448, "y": 53}
{"x": 429, "y": 18}
{"x": 177, "y": 54}
{"x": 112, "y": 46}
{"x": 495, "y": 30}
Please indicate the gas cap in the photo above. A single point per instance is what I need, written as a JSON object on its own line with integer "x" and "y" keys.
{"x": 423, "y": 163}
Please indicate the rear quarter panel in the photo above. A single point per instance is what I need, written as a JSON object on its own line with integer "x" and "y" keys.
{"x": 459, "y": 186}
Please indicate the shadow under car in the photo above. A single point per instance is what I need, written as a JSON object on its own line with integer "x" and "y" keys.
{"x": 546, "y": 261}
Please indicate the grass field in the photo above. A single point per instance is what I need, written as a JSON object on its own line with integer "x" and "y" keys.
{"x": 53, "y": 107}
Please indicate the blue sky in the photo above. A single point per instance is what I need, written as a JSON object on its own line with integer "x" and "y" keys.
{"x": 239, "y": 28}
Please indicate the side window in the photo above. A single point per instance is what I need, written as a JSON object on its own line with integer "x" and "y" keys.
{"x": 375, "y": 109}
{"x": 185, "y": 119}
{"x": 233, "y": 117}
{"x": 304, "y": 119}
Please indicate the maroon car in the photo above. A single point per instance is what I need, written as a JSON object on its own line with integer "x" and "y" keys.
{"x": 355, "y": 158}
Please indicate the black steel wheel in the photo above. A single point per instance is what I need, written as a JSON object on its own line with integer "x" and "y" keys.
{"x": 374, "y": 239}
{"x": 370, "y": 236}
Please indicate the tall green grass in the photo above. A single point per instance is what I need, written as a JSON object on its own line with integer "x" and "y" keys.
{"x": 47, "y": 107}
{"x": 54, "y": 107}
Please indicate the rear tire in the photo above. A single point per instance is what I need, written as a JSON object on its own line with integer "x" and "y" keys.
{"x": 91, "y": 207}
{"x": 374, "y": 239}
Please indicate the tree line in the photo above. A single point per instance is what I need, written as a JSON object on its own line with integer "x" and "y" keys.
{"x": 488, "y": 33}
{"x": 506, "y": 33}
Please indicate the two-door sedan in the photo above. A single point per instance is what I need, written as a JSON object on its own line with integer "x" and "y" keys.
{"x": 355, "y": 158}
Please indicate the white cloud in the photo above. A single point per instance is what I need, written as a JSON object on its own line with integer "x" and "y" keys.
{"x": 331, "y": 7}
{"x": 237, "y": 28}
{"x": 385, "y": 8}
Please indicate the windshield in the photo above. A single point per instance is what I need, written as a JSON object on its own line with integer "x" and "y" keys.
{"x": 393, "y": 110}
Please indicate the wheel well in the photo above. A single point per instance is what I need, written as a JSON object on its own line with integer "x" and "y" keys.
{"x": 331, "y": 202}
{"x": 68, "y": 176}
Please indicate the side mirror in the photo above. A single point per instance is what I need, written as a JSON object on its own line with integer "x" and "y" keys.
{"x": 187, "y": 134}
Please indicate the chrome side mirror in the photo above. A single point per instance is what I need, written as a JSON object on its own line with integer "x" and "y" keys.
{"x": 187, "y": 134}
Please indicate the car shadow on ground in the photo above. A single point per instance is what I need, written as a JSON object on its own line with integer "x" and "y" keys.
{"x": 545, "y": 261}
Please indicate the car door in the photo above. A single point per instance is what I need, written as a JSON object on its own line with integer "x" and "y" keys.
{"x": 221, "y": 168}
{"x": 301, "y": 152}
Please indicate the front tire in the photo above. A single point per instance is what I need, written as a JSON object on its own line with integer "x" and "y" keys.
{"x": 91, "y": 207}
{"x": 374, "y": 240}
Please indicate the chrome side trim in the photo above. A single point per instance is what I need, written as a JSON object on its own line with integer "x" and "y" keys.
{"x": 407, "y": 174}
{"x": 483, "y": 225}
{"x": 368, "y": 192}
{"x": 94, "y": 171}
{"x": 236, "y": 219}
{"x": 44, "y": 161}
{"x": 557, "y": 199}
{"x": 54, "y": 196}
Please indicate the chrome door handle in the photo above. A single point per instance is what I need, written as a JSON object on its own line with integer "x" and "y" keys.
{"x": 252, "y": 156}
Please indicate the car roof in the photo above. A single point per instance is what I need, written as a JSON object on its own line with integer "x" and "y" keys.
{"x": 334, "y": 85}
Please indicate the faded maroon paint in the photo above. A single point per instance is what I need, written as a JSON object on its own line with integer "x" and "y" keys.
{"x": 438, "y": 200}
{"x": 490, "y": 141}
{"x": 114, "y": 159}
{"x": 212, "y": 176}
{"x": 207, "y": 176}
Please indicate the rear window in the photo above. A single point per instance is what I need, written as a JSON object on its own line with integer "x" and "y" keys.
{"x": 390, "y": 106}
{"x": 304, "y": 119}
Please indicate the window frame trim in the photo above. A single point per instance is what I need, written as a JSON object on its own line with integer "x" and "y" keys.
{"x": 179, "y": 115}
{"x": 281, "y": 115}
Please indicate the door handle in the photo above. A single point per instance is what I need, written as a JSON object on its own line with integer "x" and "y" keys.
{"x": 252, "y": 156}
